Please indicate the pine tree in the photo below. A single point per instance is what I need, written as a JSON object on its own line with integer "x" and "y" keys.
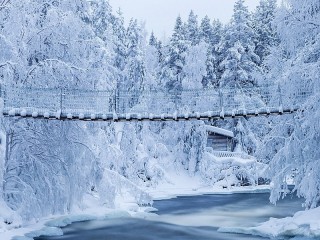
{"x": 206, "y": 30}
{"x": 240, "y": 28}
{"x": 192, "y": 29}
{"x": 217, "y": 30}
{"x": 172, "y": 72}
{"x": 239, "y": 60}
{"x": 211, "y": 77}
{"x": 120, "y": 48}
{"x": 135, "y": 69}
{"x": 213, "y": 72}
{"x": 101, "y": 18}
{"x": 153, "y": 40}
{"x": 266, "y": 34}
{"x": 160, "y": 52}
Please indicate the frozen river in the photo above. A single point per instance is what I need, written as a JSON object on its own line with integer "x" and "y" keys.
{"x": 188, "y": 218}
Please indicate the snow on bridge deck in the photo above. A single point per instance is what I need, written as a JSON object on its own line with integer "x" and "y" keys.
{"x": 200, "y": 104}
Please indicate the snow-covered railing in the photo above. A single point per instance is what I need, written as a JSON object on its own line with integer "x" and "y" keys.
{"x": 152, "y": 104}
{"x": 225, "y": 154}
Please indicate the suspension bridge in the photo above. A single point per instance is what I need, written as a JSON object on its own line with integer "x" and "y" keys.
{"x": 152, "y": 105}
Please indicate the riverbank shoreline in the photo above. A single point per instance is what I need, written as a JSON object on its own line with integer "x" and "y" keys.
{"x": 51, "y": 226}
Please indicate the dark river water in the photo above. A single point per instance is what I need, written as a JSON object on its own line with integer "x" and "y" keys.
{"x": 188, "y": 218}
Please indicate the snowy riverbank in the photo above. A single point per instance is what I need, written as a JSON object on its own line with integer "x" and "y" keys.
{"x": 51, "y": 226}
{"x": 125, "y": 207}
{"x": 184, "y": 185}
{"x": 305, "y": 223}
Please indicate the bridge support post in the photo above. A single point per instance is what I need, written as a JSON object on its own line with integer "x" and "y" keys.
{"x": 280, "y": 97}
{"x": 61, "y": 103}
{"x": 116, "y": 101}
{"x": 221, "y": 101}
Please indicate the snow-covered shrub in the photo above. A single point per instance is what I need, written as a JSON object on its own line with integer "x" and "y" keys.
{"x": 120, "y": 185}
{"x": 234, "y": 170}
{"x": 9, "y": 219}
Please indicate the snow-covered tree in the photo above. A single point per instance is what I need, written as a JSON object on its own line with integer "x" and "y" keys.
{"x": 206, "y": 30}
{"x": 48, "y": 54}
{"x": 237, "y": 68}
{"x": 59, "y": 48}
{"x": 101, "y": 18}
{"x": 172, "y": 71}
{"x": 154, "y": 62}
{"x": 214, "y": 55}
{"x": 193, "y": 29}
{"x": 266, "y": 34}
{"x": 239, "y": 59}
{"x": 153, "y": 40}
{"x": 297, "y": 64}
{"x": 195, "y": 67}
{"x": 135, "y": 69}
{"x": 120, "y": 47}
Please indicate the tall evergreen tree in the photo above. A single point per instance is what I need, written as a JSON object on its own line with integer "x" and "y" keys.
{"x": 266, "y": 35}
{"x": 172, "y": 72}
{"x": 101, "y": 18}
{"x": 213, "y": 72}
{"x": 217, "y": 30}
{"x": 206, "y": 30}
{"x": 120, "y": 48}
{"x": 135, "y": 68}
{"x": 153, "y": 40}
{"x": 239, "y": 59}
{"x": 192, "y": 29}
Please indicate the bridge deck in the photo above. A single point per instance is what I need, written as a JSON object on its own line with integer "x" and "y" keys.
{"x": 149, "y": 117}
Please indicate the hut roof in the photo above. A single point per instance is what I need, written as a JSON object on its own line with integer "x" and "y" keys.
{"x": 219, "y": 131}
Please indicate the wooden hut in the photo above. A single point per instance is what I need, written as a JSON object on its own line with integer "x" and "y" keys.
{"x": 220, "y": 139}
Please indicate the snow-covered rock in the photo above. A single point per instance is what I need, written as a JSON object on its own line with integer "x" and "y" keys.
{"x": 304, "y": 223}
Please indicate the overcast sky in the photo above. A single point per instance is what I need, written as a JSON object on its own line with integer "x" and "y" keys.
{"x": 160, "y": 15}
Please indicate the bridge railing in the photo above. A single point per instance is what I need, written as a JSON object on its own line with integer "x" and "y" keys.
{"x": 77, "y": 103}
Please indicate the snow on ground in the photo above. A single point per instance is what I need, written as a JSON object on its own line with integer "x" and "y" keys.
{"x": 303, "y": 223}
{"x": 184, "y": 185}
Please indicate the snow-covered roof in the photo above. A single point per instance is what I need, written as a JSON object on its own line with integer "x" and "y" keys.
{"x": 219, "y": 131}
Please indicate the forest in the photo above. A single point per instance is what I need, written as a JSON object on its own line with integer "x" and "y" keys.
{"x": 58, "y": 167}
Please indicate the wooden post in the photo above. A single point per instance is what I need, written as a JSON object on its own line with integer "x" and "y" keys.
{"x": 280, "y": 96}
{"x": 221, "y": 100}
{"x": 61, "y": 101}
{"x": 116, "y": 100}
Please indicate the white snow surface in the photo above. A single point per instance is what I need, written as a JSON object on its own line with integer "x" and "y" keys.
{"x": 303, "y": 223}
{"x": 184, "y": 185}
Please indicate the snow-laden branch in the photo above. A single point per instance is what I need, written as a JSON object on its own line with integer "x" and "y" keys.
{"x": 4, "y": 4}
{"x": 42, "y": 63}
{"x": 6, "y": 63}
{"x": 302, "y": 21}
